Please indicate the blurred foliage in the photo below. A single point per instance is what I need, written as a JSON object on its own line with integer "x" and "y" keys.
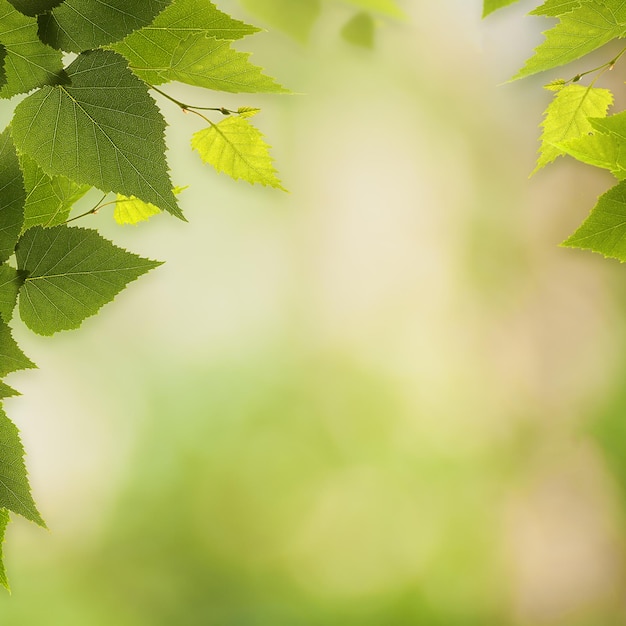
{"x": 298, "y": 17}
{"x": 392, "y": 402}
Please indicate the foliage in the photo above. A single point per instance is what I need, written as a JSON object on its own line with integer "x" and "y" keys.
{"x": 576, "y": 122}
{"x": 299, "y": 18}
{"x": 88, "y": 121}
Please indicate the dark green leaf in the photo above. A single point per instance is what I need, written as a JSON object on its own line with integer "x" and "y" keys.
{"x": 28, "y": 63}
{"x": 14, "y": 488}
{"x": 10, "y": 283}
{"x": 34, "y": 7}
{"x": 70, "y": 273}
{"x": 12, "y": 197}
{"x": 103, "y": 130}
{"x": 12, "y": 359}
{"x": 6, "y": 391}
{"x": 78, "y": 25}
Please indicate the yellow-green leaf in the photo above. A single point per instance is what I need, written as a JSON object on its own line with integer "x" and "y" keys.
{"x": 235, "y": 147}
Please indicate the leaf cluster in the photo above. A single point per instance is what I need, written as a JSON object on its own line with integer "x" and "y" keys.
{"x": 577, "y": 121}
{"x": 91, "y": 125}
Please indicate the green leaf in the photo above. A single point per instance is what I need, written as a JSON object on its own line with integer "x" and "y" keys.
{"x": 294, "y": 18}
{"x": 10, "y": 283}
{"x": 579, "y": 32}
{"x": 4, "y": 522}
{"x": 28, "y": 63}
{"x": 604, "y": 231}
{"x": 70, "y": 273}
{"x": 567, "y": 118}
{"x": 34, "y": 7}
{"x": 489, "y": 6}
{"x": 556, "y": 8}
{"x": 12, "y": 197}
{"x": 78, "y": 25}
{"x": 49, "y": 199}
{"x": 14, "y": 488}
{"x": 12, "y": 359}
{"x": 152, "y": 51}
{"x": 237, "y": 148}
{"x": 615, "y": 127}
{"x": 360, "y": 30}
{"x": 6, "y": 391}
{"x": 158, "y": 41}
{"x": 103, "y": 130}
{"x": 596, "y": 149}
{"x": 205, "y": 62}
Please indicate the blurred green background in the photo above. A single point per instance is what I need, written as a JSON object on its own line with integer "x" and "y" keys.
{"x": 385, "y": 399}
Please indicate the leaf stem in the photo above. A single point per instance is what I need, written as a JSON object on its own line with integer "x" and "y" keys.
{"x": 93, "y": 210}
{"x": 189, "y": 107}
{"x": 609, "y": 65}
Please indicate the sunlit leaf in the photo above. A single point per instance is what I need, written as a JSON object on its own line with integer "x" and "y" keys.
{"x": 238, "y": 149}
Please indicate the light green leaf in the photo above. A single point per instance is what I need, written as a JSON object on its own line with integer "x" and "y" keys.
{"x": 78, "y": 25}
{"x": 34, "y": 7}
{"x": 4, "y": 522}
{"x": 206, "y": 62}
{"x": 604, "y": 231}
{"x": 294, "y": 18}
{"x": 596, "y": 149}
{"x": 12, "y": 197}
{"x": 556, "y": 8}
{"x": 556, "y": 85}
{"x": 360, "y": 30}
{"x": 14, "y": 488}
{"x": 70, "y": 273}
{"x": 238, "y": 149}
{"x": 103, "y": 130}
{"x": 615, "y": 127}
{"x": 49, "y": 199}
{"x": 10, "y": 283}
{"x": 132, "y": 211}
{"x": 28, "y": 63}
{"x": 579, "y": 32}
{"x": 489, "y": 6}
{"x": 155, "y": 44}
{"x": 567, "y": 117}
